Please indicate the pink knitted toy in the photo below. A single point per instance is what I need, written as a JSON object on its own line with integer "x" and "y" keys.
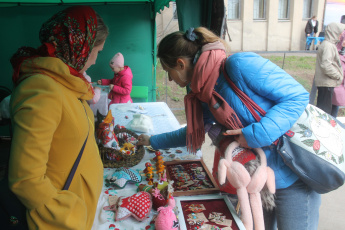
{"x": 239, "y": 178}
{"x": 166, "y": 219}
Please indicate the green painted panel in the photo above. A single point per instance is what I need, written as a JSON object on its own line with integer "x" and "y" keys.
{"x": 31, "y": 1}
{"x": 131, "y": 33}
{"x": 158, "y": 4}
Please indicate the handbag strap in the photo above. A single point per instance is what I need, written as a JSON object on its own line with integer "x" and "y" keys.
{"x": 76, "y": 163}
{"x": 247, "y": 101}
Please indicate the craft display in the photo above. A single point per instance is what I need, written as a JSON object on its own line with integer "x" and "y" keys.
{"x": 191, "y": 177}
{"x": 138, "y": 205}
{"x": 126, "y": 155}
{"x": 120, "y": 148}
{"x": 207, "y": 212}
{"x": 160, "y": 195}
{"x": 246, "y": 183}
{"x": 121, "y": 177}
{"x": 158, "y": 168}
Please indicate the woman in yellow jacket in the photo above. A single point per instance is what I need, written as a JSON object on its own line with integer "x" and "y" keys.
{"x": 51, "y": 120}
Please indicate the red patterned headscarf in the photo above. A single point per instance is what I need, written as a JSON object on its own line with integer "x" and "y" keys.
{"x": 69, "y": 35}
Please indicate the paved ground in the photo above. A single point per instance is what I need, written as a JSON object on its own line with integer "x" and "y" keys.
{"x": 332, "y": 211}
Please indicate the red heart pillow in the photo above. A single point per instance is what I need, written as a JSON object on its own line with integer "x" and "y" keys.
{"x": 139, "y": 206}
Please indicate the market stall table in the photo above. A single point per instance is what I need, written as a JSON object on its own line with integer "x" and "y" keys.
{"x": 163, "y": 121}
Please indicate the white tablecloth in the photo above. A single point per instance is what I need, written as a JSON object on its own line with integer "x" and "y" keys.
{"x": 163, "y": 121}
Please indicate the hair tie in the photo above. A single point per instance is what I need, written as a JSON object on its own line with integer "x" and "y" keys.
{"x": 190, "y": 35}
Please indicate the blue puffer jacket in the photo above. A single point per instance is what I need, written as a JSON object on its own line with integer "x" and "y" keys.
{"x": 275, "y": 91}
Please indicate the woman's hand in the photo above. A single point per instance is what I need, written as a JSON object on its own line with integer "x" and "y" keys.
{"x": 111, "y": 86}
{"x": 99, "y": 82}
{"x": 239, "y": 137}
{"x": 144, "y": 140}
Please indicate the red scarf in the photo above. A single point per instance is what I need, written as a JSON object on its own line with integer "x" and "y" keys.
{"x": 68, "y": 35}
{"x": 205, "y": 75}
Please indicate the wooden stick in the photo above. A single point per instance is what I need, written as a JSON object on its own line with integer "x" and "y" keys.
{"x": 238, "y": 207}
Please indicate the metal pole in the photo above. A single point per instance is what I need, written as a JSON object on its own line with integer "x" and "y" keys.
{"x": 283, "y": 61}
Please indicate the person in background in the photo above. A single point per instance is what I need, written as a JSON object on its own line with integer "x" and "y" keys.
{"x": 195, "y": 59}
{"x": 51, "y": 121}
{"x": 311, "y": 29}
{"x": 338, "y": 98}
{"x": 96, "y": 90}
{"x": 328, "y": 70}
{"x": 121, "y": 85}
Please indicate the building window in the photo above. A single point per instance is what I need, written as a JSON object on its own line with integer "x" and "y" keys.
{"x": 233, "y": 9}
{"x": 283, "y": 10}
{"x": 259, "y": 9}
{"x": 307, "y": 8}
{"x": 174, "y": 11}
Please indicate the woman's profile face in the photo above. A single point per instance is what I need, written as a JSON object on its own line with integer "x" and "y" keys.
{"x": 93, "y": 56}
{"x": 181, "y": 74}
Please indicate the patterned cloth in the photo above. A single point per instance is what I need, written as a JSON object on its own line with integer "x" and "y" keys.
{"x": 69, "y": 35}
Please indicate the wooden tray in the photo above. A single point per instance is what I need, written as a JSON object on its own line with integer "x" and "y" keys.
{"x": 183, "y": 172}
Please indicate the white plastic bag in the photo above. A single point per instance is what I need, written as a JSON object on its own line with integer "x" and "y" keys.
{"x": 141, "y": 123}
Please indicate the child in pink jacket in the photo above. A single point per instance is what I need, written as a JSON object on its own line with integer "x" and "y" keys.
{"x": 121, "y": 85}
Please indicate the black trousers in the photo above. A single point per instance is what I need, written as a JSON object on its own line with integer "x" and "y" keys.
{"x": 324, "y": 98}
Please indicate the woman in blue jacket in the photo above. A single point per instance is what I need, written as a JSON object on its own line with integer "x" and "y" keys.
{"x": 195, "y": 59}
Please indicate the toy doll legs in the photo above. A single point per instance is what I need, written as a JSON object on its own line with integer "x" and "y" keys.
{"x": 297, "y": 207}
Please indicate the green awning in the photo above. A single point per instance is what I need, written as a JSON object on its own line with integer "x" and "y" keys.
{"x": 158, "y": 4}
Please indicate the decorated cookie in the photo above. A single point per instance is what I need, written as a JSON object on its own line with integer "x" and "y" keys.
{"x": 139, "y": 206}
{"x": 122, "y": 176}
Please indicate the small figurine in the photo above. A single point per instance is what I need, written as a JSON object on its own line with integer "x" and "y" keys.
{"x": 160, "y": 168}
{"x": 159, "y": 162}
{"x": 158, "y": 158}
{"x": 149, "y": 178}
{"x": 157, "y": 153}
{"x": 148, "y": 168}
{"x": 128, "y": 148}
{"x": 164, "y": 175}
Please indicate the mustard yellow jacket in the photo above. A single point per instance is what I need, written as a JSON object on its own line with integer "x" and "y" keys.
{"x": 49, "y": 128}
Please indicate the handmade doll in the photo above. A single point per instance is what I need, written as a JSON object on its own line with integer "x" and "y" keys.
{"x": 105, "y": 132}
{"x": 248, "y": 179}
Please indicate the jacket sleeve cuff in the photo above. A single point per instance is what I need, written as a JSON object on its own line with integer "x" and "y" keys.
{"x": 172, "y": 139}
